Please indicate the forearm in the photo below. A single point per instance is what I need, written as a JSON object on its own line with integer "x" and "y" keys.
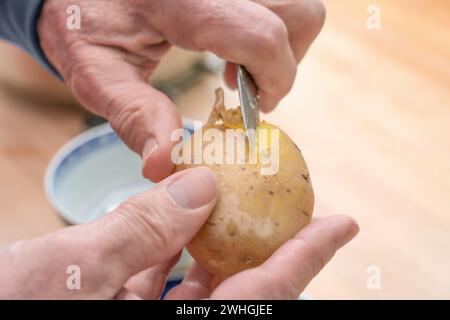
{"x": 18, "y": 25}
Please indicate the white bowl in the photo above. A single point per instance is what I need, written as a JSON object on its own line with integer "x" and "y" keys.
{"x": 92, "y": 173}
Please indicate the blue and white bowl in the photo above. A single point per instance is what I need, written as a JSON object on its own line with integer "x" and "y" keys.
{"x": 92, "y": 173}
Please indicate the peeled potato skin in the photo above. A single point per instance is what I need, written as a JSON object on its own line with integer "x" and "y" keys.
{"x": 255, "y": 214}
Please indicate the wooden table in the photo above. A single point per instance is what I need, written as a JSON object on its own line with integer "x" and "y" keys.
{"x": 371, "y": 112}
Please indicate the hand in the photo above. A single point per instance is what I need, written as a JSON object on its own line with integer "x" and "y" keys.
{"x": 107, "y": 62}
{"x": 144, "y": 234}
{"x": 129, "y": 253}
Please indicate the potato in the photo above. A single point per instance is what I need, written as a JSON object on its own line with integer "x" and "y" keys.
{"x": 255, "y": 214}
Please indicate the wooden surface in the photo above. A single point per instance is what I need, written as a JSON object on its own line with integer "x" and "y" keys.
{"x": 370, "y": 111}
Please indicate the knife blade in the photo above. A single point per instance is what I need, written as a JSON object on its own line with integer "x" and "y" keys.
{"x": 248, "y": 96}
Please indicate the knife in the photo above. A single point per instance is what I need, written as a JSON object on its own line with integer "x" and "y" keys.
{"x": 248, "y": 96}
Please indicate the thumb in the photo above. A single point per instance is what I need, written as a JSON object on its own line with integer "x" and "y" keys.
{"x": 155, "y": 225}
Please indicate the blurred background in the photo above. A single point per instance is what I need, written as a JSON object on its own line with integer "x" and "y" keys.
{"x": 370, "y": 110}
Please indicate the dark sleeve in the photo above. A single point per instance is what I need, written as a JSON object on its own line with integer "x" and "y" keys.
{"x": 18, "y": 24}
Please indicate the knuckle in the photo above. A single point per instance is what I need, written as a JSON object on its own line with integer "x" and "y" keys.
{"x": 281, "y": 86}
{"x": 316, "y": 259}
{"x": 313, "y": 13}
{"x": 273, "y": 36}
{"x": 147, "y": 221}
{"x": 288, "y": 290}
{"x": 317, "y": 264}
{"x": 286, "y": 85}
{"x": 318, "y": 12}
{"x": 281, "y": 289}
{"x": 78, "y": 69}
{"x": 125, "y": 120}
{"x": 79, "y": 76}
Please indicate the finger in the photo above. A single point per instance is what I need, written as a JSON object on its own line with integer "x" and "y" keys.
{"x": 150, "y": 283}
{"x": 303, "y": 18}
{"x": 289, "y": 270}
{"x": 153, "y": 226}
{"x": 112, "y": 83}
{"x": 230, "y": 75}
{"x": 241, "y": 32}
{"x": 196, "y": 285}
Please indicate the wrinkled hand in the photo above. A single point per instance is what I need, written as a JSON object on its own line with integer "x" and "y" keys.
{"x": 145, "y": 233}
{"x": 107, "y": 62}
{"x": 129, "y": 253}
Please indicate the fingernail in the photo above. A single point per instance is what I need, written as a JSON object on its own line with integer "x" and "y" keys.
{"x": 352, "y": 229}
{"x": 352, "y": 232}
{"x": 149, "y": 147}
{"x": 194, "y": 189}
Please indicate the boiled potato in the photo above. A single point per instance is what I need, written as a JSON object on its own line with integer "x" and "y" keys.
{"x": 255, "y": 213}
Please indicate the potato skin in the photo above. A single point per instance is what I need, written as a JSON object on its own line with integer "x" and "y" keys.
{"x": 255, "y": 214}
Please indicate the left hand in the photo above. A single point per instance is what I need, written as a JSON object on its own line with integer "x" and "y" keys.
{"x": 142, "y": 236}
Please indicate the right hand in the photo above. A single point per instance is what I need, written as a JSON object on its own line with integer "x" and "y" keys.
{"x": 107, "y": 63}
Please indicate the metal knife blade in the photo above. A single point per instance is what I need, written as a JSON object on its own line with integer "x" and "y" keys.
{"x": 248, "y": 96}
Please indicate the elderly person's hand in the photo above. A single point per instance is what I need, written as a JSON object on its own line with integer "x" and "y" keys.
{"x": 128, "y": 253}
{"x": 107, "y": 62}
